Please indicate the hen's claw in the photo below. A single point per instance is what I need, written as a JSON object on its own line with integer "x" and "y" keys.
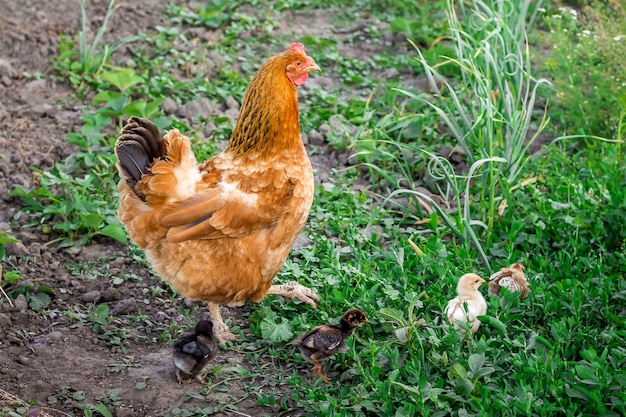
{"x": 293, "y": 290}
{"x": 220, "y": 330}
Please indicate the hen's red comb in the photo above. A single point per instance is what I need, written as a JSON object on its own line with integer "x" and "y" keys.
{"x": 297, "y": 47}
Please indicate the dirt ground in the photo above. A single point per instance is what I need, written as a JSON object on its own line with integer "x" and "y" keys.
{"x": 55, "y": 359}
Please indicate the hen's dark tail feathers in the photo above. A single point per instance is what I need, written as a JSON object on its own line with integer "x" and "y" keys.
{"x": 137, "y": 148}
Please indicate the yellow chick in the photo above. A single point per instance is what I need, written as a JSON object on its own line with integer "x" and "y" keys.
{"x": 468, "y": 304}
{"x": 511, "y": 278}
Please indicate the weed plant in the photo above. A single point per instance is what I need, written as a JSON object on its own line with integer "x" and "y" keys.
{"x": 489, "y": 115}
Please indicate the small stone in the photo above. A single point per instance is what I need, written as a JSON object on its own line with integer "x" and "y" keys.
{"x": 125, "y": 412}
{"x": 20, "y": 304}
{"x": 91, "y": 297}
{"x": 169, "y": 106}
{"x": 325, "y": 129}
{"x": 110, "y": 294}
{"x": 232, "y": 114}
{"x": 231, "y": 103}
{"x": 162, "y": 316}
{"x": 23, "y": 360}
{"x": 16, "y": 249}
{"x": 35, "y": 249}
{"x": 315, "y": 138}
{"x": 55, "y": 336}
{"x": 14, "y": 339}
{"x": 208, "y": 130}
{"x": 195, "y": 108}
{"x": 5, "y": 322}
{"x": 126, "y": 306}
{"x": 77, "y": 285}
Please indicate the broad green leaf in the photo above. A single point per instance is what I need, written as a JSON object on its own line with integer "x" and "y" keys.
{"x": 586, "y": 373}
{"x": 457, "y": 371}
{"x": 475, "y": 362}
{"x": 102, "y": 313}
{"x": 274, "y": 332}
{"x": 92, "y": 220}
{"x": 577, "y": 392}
{"x": 45, "y": 289}
{"x": 114, "y": 231}
{"x": 105, "y": 96}
{"x": 102, "y": 409}
{"x": 122, "y": 79}
{"x": 463, "y": 386}
{"x": 495, "y": 323}
{"x": 38, "y": 301}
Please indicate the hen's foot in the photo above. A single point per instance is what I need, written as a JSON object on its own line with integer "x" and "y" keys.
{"x": 294, "y": 290}
{"x": 220, "y": 330}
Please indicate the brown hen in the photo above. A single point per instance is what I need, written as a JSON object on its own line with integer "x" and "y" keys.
{"x": 221, "y": 230}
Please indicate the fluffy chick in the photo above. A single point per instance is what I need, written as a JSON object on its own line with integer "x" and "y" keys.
{"x": 192, "y": 353}
{"x": 328, "y": 339}
{"x": 468, "y": 304}
{"x": 511, "y": 278}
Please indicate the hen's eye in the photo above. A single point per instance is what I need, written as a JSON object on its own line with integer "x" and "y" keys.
{"x": 299, "y": 63}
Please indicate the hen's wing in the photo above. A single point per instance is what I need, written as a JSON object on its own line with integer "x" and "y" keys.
{"x": 195, "y": 204}
{"x": 223, "y": 211}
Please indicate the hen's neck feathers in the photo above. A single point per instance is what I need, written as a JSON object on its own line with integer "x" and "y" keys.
{"x": 269, "y": 117}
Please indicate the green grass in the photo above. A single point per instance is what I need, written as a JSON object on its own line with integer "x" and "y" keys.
{"x": 558, "y": 352}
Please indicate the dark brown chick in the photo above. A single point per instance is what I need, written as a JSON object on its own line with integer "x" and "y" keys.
{"x": 511, "y": 278}
{"x": 193, "y": 352}
{"x": 328, "y": 339}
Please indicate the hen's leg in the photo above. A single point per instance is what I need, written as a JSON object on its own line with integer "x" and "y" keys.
{"x": 294, "y": 290}
{"x": 220, "y": 329}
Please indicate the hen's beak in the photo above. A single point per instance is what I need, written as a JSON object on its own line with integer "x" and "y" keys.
{"x": 313, "y": 67}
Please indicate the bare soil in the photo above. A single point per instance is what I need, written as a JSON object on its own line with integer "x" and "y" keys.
{"x": 56, "y": 359}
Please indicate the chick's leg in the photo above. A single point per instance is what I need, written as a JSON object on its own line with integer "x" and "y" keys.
{"x": 317, "y": 367}
{"x": 181, "y": 379}
{"x": 220, "y": 329}
{"x": 294, "y": 290}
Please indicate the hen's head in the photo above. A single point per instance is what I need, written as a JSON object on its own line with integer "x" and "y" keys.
{"x": 469, "y": 283}
{"x": 297, "y": 64}
{"x": 354, "y": 318}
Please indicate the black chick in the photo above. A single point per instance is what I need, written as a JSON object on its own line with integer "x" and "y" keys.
{"x": 328, "y": 339}
{"x": 192, "y": 352}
